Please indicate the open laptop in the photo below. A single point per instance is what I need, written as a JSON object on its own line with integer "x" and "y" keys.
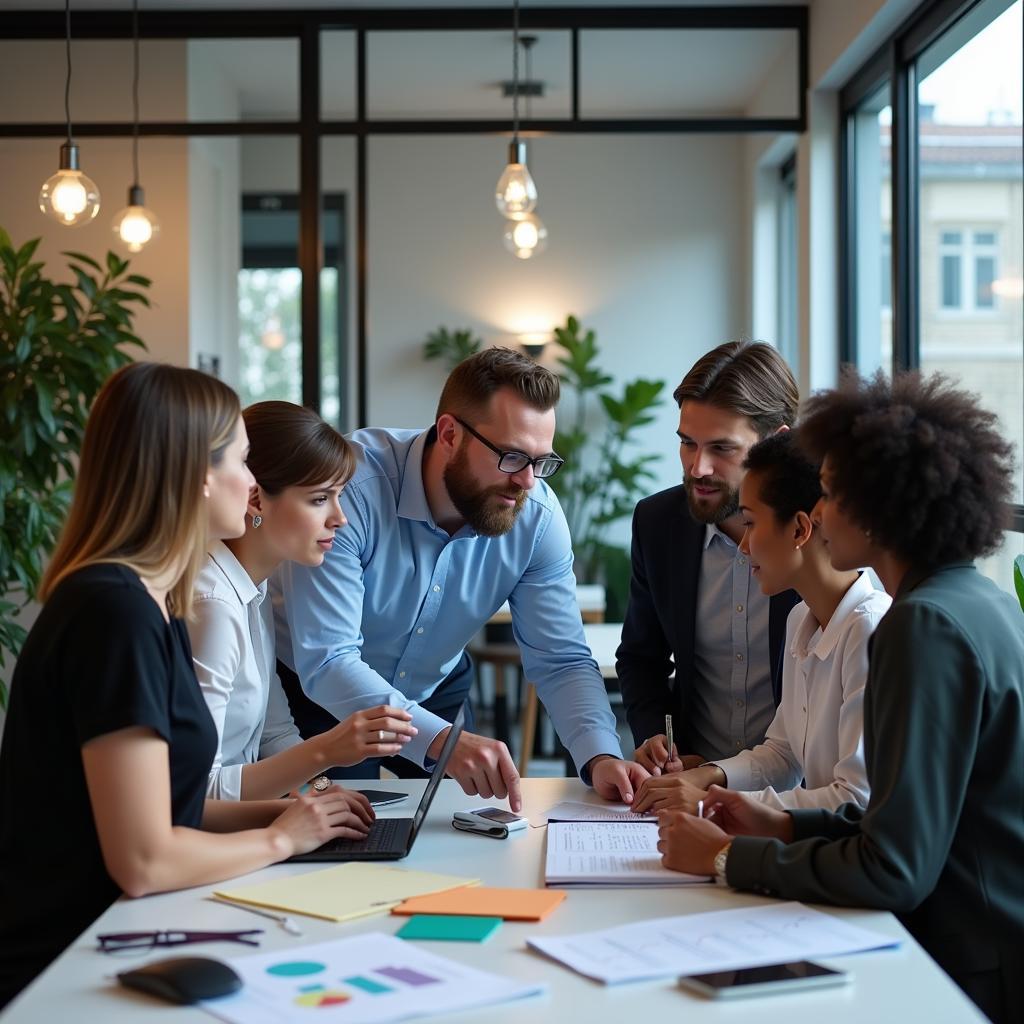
{"x": 392, "y": 838}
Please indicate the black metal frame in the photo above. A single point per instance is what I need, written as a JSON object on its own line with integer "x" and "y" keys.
{"x": 894, "y": 64}
{"x": 306, "y": 26}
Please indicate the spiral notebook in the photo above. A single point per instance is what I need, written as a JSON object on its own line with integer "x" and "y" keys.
{"x": 608, "y": 854}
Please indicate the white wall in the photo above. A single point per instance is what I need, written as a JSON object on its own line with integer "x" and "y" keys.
{"x": 645, "y": 247}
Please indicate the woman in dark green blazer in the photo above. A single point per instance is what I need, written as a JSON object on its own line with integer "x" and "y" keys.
{"x": 916, "y": 480}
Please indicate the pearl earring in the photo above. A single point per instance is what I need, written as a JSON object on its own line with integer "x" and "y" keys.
{"x": 257, "y": 522}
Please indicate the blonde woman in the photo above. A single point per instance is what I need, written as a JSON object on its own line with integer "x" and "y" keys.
{"x": 300, "y": 465}
{"x": 104, "y": 701}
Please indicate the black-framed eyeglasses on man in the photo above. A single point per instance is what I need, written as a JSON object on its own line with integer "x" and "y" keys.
{"x": 544, "y": 466}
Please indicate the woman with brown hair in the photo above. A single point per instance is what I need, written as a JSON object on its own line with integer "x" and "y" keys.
{"x": 300, "y": 465}
{"x": 104, "y": 701}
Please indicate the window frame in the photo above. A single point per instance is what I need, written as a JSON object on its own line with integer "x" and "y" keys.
{"x": 895, "y": 64}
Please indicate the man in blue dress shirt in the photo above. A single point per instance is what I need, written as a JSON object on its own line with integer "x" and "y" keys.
{"x": 445, "y": 525}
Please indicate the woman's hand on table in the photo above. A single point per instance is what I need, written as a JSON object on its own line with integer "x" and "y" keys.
{"x": 689, "y": 844}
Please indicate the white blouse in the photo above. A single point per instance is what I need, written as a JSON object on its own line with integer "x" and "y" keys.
{"x": 818, "y": 731}
{"x": 232, "y": 635}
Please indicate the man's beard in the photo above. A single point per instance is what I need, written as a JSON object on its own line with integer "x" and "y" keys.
{"x": 477, "y": 504}
{"x": 701, "y": 508}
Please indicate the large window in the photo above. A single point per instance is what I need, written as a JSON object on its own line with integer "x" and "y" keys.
{"x": 786, "y": 266}
{"x": 946, "y": 224}
{"x": 870, "y": 241}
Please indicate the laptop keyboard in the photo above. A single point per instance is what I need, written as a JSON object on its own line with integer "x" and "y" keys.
{"x": 383, "y": 836}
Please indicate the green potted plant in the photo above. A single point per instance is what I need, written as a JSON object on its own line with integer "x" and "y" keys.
{"x": 451, "y": 347}
{"x": 58, "y": 343}
{"x": 603, "y": 477}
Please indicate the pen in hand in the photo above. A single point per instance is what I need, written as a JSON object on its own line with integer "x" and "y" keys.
{"x": 700, "y": 810}
{"x": 668, "y": 741}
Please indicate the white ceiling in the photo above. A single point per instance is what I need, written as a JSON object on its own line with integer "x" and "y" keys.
{"x": 623, "y": 73}
{"x": 669, "y": 73}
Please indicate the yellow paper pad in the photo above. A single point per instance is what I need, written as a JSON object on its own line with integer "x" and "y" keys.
{"x": 511, "y": 904}
{"x": 345, "y": 891}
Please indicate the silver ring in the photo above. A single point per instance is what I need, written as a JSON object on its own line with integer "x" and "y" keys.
{"x": 381, "y": 735}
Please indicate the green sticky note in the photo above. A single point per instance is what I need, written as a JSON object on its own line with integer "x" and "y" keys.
{"x": 449, "y": 927}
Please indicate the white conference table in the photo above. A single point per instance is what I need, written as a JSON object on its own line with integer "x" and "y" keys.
{"x": 894, "y": 985}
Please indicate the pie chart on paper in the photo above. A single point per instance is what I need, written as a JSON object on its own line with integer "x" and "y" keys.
{"x": 322, "y": 998}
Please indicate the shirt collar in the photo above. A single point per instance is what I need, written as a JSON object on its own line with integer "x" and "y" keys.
{"x": 822, "y": 648}
{"x": 711, "y": 532}
{"x": 236, "y": 575}
{"x": 412, "y": 497}
{"x": 914, "y": 577}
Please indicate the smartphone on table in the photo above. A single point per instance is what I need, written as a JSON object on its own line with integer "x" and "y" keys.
{"x": 495, "y": 822}
{"x": 762, "y": 981}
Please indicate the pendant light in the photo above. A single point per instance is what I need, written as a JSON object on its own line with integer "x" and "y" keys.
{"x": 515, "y": 194}
{"x": 525, "y": 236}
{"x": 136, "y": 226}
{"x": 69, "y": 196}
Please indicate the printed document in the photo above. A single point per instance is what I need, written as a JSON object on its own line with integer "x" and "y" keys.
{"x": 362, "y": 979}
{"x": 721, "y": 940}
{"x": 576, "y": 810}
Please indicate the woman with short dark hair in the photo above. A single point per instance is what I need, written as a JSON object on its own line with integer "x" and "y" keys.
{"x": 813, "y": 752}
{"x": 300, "y": 464}
{"x": 916, "y": 480}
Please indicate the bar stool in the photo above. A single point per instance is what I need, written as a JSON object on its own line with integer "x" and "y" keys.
{"x": 501, "y": 655}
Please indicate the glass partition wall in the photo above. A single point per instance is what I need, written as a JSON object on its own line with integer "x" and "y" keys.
{"x": 272, "y": 111}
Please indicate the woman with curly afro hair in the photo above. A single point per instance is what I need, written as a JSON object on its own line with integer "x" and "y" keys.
{"x": 915, "y": 479}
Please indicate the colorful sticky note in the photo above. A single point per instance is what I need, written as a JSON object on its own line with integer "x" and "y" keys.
{"x": 481, "y": 901}
{"x": 449, "y": 928}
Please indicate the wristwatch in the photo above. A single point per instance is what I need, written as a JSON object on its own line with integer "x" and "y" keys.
{"x": 320, "y": 783}
{"x": 720, "y": 861}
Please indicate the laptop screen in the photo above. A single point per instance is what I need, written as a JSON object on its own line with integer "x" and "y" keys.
{"x": 438, "y": 773}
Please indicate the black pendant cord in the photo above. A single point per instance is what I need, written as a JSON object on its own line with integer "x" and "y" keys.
{"x": 135, "y": 94}
{"x": 528, "y": 47}
{"x": 515, "y": 71}
{"x": 67, "y": 77}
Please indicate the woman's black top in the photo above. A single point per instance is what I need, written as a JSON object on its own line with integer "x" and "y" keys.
{"x": 100, "y": 658}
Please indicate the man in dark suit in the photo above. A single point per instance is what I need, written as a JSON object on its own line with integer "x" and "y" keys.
{"x": 700, "y": 641}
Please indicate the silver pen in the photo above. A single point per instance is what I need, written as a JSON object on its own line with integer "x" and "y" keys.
{"x": 668, "y": 738}
{"x": 286, "y": 922}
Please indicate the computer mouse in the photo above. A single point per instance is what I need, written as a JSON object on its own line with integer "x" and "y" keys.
{"x": 183, "y": 979}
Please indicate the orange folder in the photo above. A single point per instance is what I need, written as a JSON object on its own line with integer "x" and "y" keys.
{"x": 479, "y": 901}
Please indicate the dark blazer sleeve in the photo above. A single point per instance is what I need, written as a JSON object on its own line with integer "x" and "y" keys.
{"x": 922, "y": 718}
{"x": 643, "y": 661}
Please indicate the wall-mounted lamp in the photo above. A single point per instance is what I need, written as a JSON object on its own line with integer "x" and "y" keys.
{"x": 534, "y": 344}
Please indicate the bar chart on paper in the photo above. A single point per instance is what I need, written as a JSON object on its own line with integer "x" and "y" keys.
{"x": 366, "y": 979}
